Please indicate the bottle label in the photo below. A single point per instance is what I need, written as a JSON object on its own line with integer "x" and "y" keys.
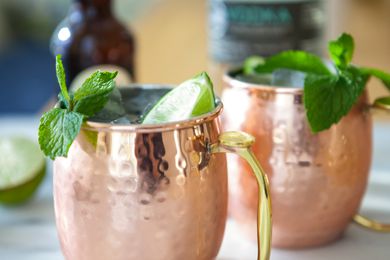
{"x": 122, "y": 79}
{"x": 238, "y": 29}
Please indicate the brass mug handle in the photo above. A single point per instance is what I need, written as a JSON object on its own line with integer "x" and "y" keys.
{"x": 240, "y": 143}
{"x": 381, "y": 104}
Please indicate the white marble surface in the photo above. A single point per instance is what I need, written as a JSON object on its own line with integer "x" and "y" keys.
{"x": 28, "y": 232}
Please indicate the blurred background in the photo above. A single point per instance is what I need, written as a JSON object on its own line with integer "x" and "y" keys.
{"x": 171, "y": 38}
{"x": 172, "y": 44}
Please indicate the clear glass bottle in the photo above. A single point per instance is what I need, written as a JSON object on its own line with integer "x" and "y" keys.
{"x": 241, "y": 28}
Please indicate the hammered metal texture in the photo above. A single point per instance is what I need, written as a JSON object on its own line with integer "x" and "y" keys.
{"x": 317, "y": 181}
{"x": 132, "y": 194}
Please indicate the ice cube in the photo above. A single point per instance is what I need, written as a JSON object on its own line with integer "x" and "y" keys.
{"x": 127, "y": 105}
{"x": 113, "y": 109}
{"x": 138, "y": 101}
{"x": 288, "y": 78}
{"x": 126, "y": 120}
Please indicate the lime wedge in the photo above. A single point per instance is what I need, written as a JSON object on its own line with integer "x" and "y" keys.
{"x": 192, "y": 98}
{"x": 22, "y": 168}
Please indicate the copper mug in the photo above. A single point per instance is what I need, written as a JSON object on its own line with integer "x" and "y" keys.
{"x": 317, "y": 181}
{"x": 151, "y": 191}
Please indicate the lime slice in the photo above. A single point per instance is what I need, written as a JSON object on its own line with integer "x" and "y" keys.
{"x": 192, "y": 98}
{"x": 22, "y": 168}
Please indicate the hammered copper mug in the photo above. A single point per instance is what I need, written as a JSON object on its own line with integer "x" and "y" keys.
{"x": 317, "y": 181}
{"x": 151, "y": 192}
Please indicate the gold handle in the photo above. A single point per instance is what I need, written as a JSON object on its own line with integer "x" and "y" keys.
{"x": 240, "y": 144}
{"x": 381, "y": 104}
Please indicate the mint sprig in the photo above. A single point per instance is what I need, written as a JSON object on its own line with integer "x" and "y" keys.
{"x": 62, "y": 80}
{"x": 328, "y": 95}
{"x": 60, "y": 126}
{"x": 328, "y": 98}
{"x": 341, "y": 50}
{"x": 382, "y": 76}
{"x": 294, "y": 60}
{"x": 94, "y": 93}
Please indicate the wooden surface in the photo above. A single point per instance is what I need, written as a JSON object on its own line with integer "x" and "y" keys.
{"x": 172, "y": 37}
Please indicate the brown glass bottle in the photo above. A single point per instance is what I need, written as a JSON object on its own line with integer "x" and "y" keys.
{"x": 91, "y": 37}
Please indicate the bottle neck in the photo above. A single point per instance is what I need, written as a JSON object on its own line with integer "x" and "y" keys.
{"x": 94, "y": 7}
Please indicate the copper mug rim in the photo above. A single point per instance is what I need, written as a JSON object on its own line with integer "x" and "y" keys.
{"x": 229, "y": 76}
{"x": 152, "y": 128}
{"x": 228, "y": 142}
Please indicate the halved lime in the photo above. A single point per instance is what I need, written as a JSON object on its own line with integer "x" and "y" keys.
{"x": 192, "y": 98}
{"x": 22, "y": 168}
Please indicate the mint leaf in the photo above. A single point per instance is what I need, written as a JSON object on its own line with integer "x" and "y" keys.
{"x": 341, "y": 50}
{"x": 92, "y": 104}
{"x": 381, "y": 75}
{"x": 62, "y": 102}
{"x": 328, "y": 98}
{"x": 294, "y": 60}
{"x": 251, "y": 63}
{"x": 328, "y": 95}
{"x": 60, "y": 126}
{"x": 92, "y": 96}
{"x": 61, "y": 79}
{"x": 355, "y": 79}
{"x": 98, "y": 82}
{"x": 57, "y": 130}
{"x": 319, "y": 101}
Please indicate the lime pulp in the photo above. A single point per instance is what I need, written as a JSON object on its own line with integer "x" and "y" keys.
{"x": 22, "y": 168}
{"x": 192, "y": 98}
